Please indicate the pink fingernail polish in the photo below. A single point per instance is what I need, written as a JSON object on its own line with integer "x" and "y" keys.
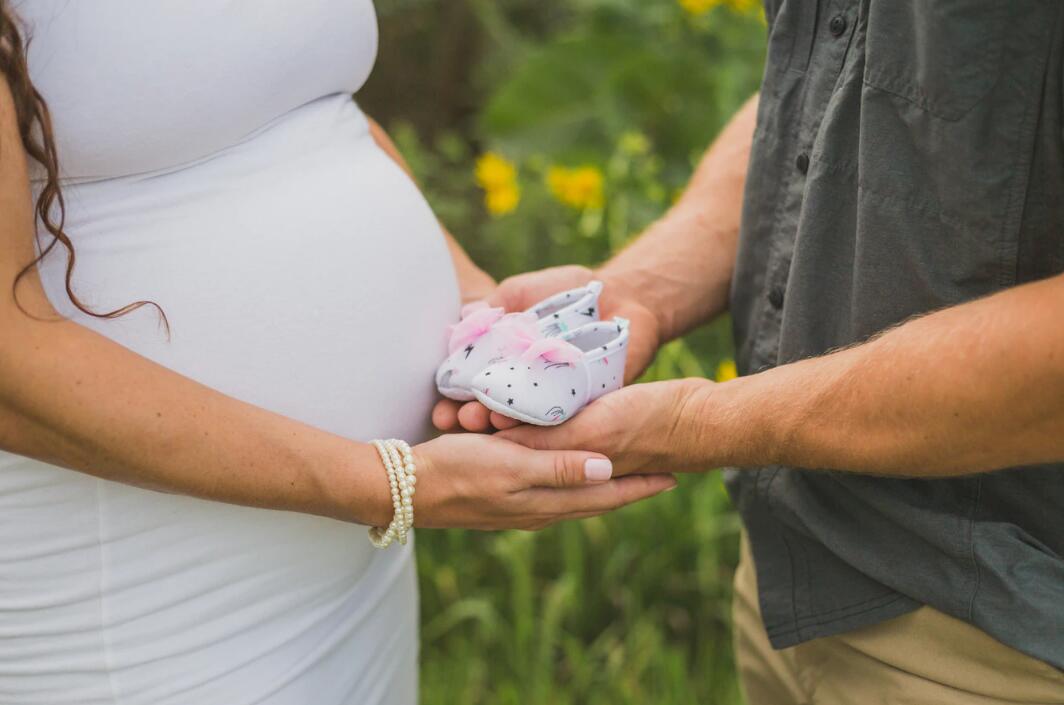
{"x": 598, "y": 470}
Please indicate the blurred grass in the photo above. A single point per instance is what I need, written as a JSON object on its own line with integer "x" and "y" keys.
{"x": 632, "y": 607}
{"x": 627, "y": 608}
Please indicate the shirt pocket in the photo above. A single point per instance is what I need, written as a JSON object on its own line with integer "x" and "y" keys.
{"x": 944, "y": 146}
{"x": 941, "y": 55}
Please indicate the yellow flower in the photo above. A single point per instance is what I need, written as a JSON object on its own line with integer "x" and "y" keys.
{"x": 502, "y": 199}
{"x": 495, "y": 171}
{"x": 701, "y": 7}
{"x": 698, "y": 7}
{"x": 726, "y": 371}
{"x": 498, "y": 177}
{"x": 577, "y": 188}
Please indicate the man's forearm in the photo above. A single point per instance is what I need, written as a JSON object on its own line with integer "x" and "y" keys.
{"x": 975, "y": 387}
{"x": 682, "y": 265}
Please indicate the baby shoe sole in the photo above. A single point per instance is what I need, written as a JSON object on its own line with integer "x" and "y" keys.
{"x": 510, "y": 412}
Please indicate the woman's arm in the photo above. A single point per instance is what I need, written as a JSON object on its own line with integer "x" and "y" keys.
{"x": 474, "y": 282}
{"x": 74, "y": 398}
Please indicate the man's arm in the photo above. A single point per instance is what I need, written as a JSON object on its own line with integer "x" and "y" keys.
{"x": 970, "y": 388}
{"x": 682, "y": 265}
{"x": 975, "y": 387}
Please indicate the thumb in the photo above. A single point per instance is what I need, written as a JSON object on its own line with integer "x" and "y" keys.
{"x": 569, "y": 468}
{"x": 510, "y": 294}
{"x": 523, "y": 290}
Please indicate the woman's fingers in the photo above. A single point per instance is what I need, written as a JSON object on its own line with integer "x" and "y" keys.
{"x": 474, "y": 417}
{"x": 564, "y": 468}
{"x": 449, "y": 415}
{"x": 477, "y": 418}
{"x": 501, "y": 422}
{"x": 445, "y": 415}
{"x": 479, "y": 481}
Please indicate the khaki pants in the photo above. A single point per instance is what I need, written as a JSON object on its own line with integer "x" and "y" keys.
{"x": 921, "y": 658}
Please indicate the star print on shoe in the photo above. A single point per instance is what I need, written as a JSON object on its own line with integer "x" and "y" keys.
{"x": 588, "y": 362}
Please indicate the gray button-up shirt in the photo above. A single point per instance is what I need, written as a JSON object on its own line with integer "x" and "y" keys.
{"x": 908, "y": 156}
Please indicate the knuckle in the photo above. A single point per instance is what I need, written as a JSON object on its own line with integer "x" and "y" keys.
{"x": 507, "y": 485}
{"x": 518, "y": 504}
{"x": 515, "y": 477}
{"x": 578, "y": 270}
{"x": 513, "y": 289}
{"x": 561, "y": 471}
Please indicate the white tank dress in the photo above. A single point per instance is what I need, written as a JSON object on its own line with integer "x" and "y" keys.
{"x": 217, "y": 164}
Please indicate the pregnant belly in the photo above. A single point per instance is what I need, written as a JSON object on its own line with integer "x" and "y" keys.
{"x": 301, "y": 271}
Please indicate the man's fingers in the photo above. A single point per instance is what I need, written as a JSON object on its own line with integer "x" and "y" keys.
{"x": 508, "y": 296}
{"x": 474, "y": 416}
{"x": 595, "y": 499}
{"x": 516, "y": 293}
{"x": 640, "y": 356}
{"x": 524, "y": 290}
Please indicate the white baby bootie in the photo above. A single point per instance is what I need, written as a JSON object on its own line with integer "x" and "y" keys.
{"x": 486, "y": 335}
{"x": 556, "y": 377}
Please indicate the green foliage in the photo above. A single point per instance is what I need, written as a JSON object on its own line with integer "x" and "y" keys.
{"x": 627, "y": 608}
{"x": 631, "y": 607}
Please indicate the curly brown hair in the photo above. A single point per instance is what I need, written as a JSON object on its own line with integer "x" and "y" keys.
{"x": 35, "y": 130}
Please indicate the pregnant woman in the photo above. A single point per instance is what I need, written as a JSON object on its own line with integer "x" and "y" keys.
{"x": 180, "y": 510}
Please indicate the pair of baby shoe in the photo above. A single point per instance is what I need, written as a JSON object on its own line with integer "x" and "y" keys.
{"x": 540, "y": 366}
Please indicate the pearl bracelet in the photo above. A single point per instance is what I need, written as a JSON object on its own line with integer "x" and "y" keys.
{"x": 398, "y": 462}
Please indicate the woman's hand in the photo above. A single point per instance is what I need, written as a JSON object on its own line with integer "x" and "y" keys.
{"x": 644, "y": 428}
{"x": 522, "y": 291}
{"x": 484, "y": 482}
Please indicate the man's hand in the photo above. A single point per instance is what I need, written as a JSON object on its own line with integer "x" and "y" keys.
{"x": 672, "y": 278}
{"x": 522, "y": 291}
{"x": 643, "y": 428}
{"x": 967, "y": 389}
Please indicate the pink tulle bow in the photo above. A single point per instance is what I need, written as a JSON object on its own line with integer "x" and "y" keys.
{"x": 477, "y": 319}
{"x": 471, "y": 308}
{"x": 515, "y": 332}
{"x": 552, "y": 350}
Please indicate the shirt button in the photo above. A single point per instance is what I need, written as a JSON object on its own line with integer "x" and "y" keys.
{"x": 775, "y": 297}
{"x": 802, "y": 162}
{"x": 837, "y": 25}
